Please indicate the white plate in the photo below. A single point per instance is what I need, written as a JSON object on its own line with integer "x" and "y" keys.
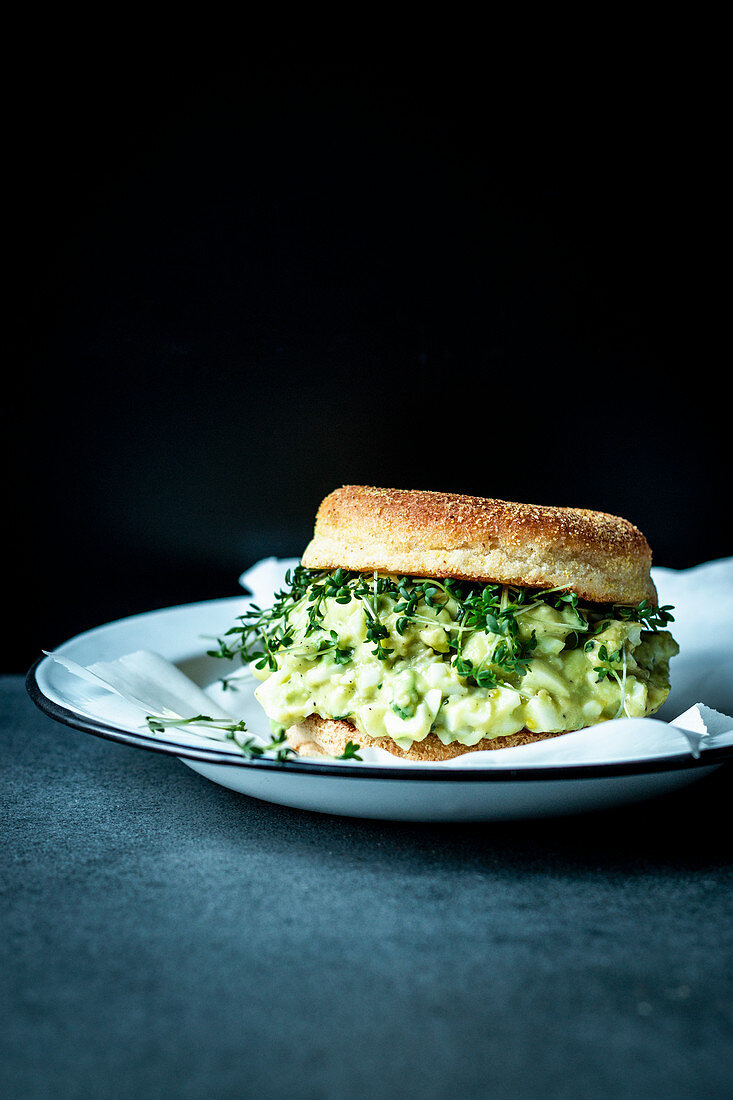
{"x": 418, "y": 793}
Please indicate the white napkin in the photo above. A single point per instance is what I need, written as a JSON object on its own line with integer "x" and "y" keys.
{"x": 128, "y": 689}
{"x": 266, "y": 577}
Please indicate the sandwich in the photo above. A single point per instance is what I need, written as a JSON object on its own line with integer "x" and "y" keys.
{"x": 433, "y": 624}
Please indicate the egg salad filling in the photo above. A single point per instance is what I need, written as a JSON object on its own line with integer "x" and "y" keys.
{"x": 402, "y": 657}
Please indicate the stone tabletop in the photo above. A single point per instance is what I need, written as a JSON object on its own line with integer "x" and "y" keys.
{"x": 165, "y": 937}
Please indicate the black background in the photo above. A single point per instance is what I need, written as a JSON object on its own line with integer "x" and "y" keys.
{"x": 428, "y": 262}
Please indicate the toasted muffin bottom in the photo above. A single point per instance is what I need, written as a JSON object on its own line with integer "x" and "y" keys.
{"x": 316, "y": 736}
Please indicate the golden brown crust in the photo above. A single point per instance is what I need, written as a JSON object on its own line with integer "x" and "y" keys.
{"x": 604, "y": 558}
{"x": 316, "y": 736}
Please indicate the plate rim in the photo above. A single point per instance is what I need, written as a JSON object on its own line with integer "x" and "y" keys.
{"x": 211, "y": 755}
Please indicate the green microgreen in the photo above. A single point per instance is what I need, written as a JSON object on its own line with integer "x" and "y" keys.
{"x": 248, "y": 745}
{"x": 351, "y": 752}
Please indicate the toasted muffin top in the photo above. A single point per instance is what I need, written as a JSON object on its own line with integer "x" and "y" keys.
{"x": 604, "y": 558}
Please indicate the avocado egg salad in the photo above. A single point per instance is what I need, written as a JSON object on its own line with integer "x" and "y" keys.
{"x": 402, "y": 657}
